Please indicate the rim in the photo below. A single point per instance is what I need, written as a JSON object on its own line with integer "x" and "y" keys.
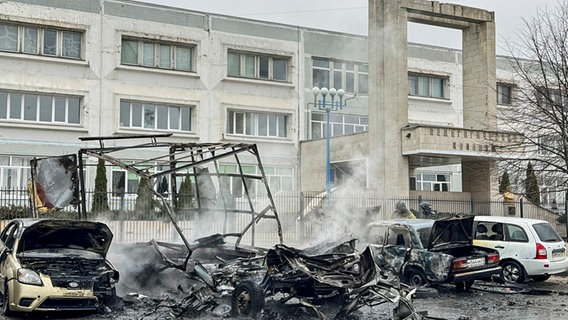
{"x": 243, "y": 302}
{"x": 416, "y": 280}
{"x": 511, "y": 273}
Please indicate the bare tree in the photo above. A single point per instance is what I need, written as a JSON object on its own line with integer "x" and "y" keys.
{"x": 540, "y": 99}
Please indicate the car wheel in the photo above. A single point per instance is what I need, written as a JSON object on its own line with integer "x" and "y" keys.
{"x": 540, "y": 278}
{"x": 512, "y": 272}
{"x": 6, "y": 302}
{"x": 464, "y": 286}
{"x": 110, "y": 300}
{"x": 247, "y": 299}
{"x": 415, "y": 277}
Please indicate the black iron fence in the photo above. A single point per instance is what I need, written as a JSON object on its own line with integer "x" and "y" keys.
{"x": 303, "y": 215}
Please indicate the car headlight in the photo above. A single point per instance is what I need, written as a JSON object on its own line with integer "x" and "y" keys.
{"x": 28, "y": 276}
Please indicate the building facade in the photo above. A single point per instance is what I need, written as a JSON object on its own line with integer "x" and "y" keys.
{"x": 72, "y": 69}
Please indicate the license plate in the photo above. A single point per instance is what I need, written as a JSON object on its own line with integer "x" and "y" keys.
{"x": 77, "y": 293}
{"x": 558, "y": 255}
{"x": 476, "y": 262}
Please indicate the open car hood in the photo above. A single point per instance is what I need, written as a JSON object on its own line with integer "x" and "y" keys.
{"x": 69, "y": 234}
{"x": 451, "y": 232}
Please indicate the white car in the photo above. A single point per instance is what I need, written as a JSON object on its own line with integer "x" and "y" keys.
{"x": 529, "y": 248}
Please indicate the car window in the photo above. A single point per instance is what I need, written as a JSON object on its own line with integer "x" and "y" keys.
{"x": 376, "y": 235}
{"x": 398, "y": 237}
{"x": 6, "y": 231}
{"x": 481, "y": 231}
{"x": 7, "y": 236}
{"x": 546, "y": 233}
{"x": 516, "y": 233}
{"x": 424, "y": 236}
{"x": 486, "y": 230}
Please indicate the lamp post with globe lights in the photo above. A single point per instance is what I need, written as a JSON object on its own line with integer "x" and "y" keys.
{"x": 334, "y": 103}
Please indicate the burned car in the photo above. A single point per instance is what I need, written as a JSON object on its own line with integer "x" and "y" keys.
{"x": 433, "y": 251}
{"x": 340, "y": 275}
{"x": 56, "y": 265}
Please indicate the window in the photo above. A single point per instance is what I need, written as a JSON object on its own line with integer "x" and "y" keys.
{"x": 340, "y": 124}
{"x": 349, "y": 76}
{"x": 154, "y": 54}
{"x": 279, "y": 179}
{"x": 504, "y": 94}
{"x": 548, "y": 97}
{"x": 549, "y": 145}
{"x": 256, "y": 66}
{"x": 39, "y": 107}
{"x": 124, "y": 183}
{"x": 427, "y": 86}
{"x": 433, "y": 182}
{"x": 14, "y": 172}
{"x": 257, "y": 124}
{"x": 516, "y": 233}
{"x": 155, "y": 116}
{"x": 40, "y": 40}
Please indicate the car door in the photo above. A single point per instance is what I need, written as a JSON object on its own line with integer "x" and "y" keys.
{"x": 6, "y": 243}
{"x": 491, "y": 235}
{"x": 517, "y": 243}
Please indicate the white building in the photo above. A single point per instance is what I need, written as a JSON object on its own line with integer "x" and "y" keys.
{"x": 71, "y": 69}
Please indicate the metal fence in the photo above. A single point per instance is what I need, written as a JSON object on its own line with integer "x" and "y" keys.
{"x": 305, "y": 217}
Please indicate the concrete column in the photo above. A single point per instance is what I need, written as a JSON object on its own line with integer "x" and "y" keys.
{"x": 388, "y": 95}
{"x": 480, "y": 178}
{"x": 479, "y": 81}
{"x": 480, "y": 106}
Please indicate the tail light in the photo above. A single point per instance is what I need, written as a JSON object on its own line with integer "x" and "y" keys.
{"x": 492, "y": 258}
{"x": 459, "y": 264}
{"x": 540, "y": 252}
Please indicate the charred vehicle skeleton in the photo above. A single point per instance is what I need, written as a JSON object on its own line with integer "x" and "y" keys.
{"x": 339, "y": 274}
{"x": 433, "y": 251}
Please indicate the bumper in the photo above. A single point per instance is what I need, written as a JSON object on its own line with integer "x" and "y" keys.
{"x": 29, "y": 298}
{"x": 475, "y": 275}
{"x": 535, "y": 267}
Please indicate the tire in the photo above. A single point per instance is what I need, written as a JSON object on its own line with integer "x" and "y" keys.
{"x": 247, "y": 299}
{"x": 415, "y": 277}
{"x": 464, "y": 286}
{"x": 6, "y": 302}
{"x": 110, "y": 300}
{"x": 540, "y": 278}
{"x": 512, "y": 272}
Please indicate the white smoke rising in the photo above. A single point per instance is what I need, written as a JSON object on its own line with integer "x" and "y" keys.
{"x": 350, "y": 209}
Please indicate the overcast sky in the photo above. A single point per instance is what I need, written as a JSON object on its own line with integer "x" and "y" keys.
{"x": 351, "y": 16}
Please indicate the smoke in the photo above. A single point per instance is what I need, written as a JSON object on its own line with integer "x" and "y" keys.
{"x": 142, "y": 271}
{"x": 350, "y": 210}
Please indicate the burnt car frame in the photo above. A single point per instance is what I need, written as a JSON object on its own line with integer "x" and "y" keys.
{"x": 429, "y": 251}
{"x": 56, "y": 265}
{"x": 338, "y": 274}
{"x": 163, "y": 161}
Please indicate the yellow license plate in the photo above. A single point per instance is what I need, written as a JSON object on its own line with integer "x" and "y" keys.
{"x": 74, "y": 293}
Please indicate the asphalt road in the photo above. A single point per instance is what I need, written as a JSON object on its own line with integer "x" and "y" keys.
{"x": 537, "y": 301}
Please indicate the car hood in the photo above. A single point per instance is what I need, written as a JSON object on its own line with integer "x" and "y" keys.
{"x": 451, "y": 232}
{"x": 66, "y": 234}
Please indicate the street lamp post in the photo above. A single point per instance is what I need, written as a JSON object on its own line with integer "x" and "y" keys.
{"x": 335, "y": 103}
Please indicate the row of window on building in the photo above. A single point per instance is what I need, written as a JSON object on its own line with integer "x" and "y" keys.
{"x": 15, "y": 174}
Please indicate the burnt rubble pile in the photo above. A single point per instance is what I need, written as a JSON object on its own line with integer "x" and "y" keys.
{"x": 327, "y": 281}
